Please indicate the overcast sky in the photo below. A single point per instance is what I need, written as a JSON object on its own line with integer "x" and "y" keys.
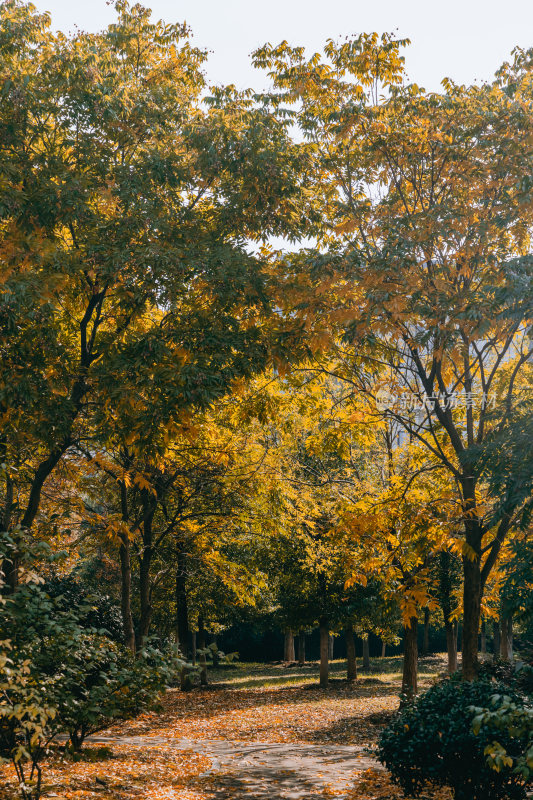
{"x": 465, "y": 40}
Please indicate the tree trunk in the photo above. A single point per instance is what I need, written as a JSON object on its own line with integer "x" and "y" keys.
{"x": 351, "y": 662}
{"x": 288, "y": 654}
{"x": 445, "y": 590}
{"x": 471, "y": 615}
{"x": 185, "y": 679}
{"x": 506, "y": 638}
{"x": 366, "y": 652}
{"x": 10, "y": 568}
{"x": 301, "y": 648}
{"x": 483, "y": 636}
{"x": 383, "y": 649}
{"x": 451, "y": 646}
{"x": 216, "y": 657}
{"x": 193, "y": 637}
{"x": 324, "y": 653}
{"x": 125, "y": 575}
{"x": 410, "y": 659}
{"x": 125, "y": 593}
{"x": 145, "y": 595}
{"x": 331, "y": 646}
{"x": 145, "y": 564}
{"x": 202, "y": 647}
{"x": 425, "y": 640}
{"x": 496, "y": 633}
{"x": 182, "y": 613}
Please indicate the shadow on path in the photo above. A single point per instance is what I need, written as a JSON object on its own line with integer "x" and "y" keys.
{"x": 264, "y": 770}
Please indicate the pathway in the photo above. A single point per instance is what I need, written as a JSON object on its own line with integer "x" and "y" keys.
{"x": 265, "y": 770}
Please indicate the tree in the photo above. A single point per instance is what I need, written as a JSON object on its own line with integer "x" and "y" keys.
{"x": 426, "y": 212}
{"x": 125, "y": 213}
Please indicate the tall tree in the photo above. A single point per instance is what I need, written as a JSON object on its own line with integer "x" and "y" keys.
{"x": 427, "y": 215}
{"x": 126, "y": 208}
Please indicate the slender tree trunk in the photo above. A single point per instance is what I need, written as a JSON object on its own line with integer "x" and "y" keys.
{"x": 425, "y": 640}
{"x": 383, "y": 649}
{"x": 471, "y": 615}
{"x": 202, "y": 647}
{"x": 506, "y": 638}
{"x": 193, "y": 637}
{"x": 125, "y": 575}
{"x": 125, "y": 593}
{"x": 182, "y": 613}
{"x": 351, "y": 661}
{"x": 149, "y": 506}
{"x": 10, "y": 568}
{"x": 410, "y": 659}
{"x": 445, "y": 588}
{"x": 331, "y": 647}
{"x": 496, "y": 633}
{"x": 216, "y": 657}
{"x": 288, "y": 654}
{"x": 483, "y": 637}
{"x": 145, "y": 594}
{"x": 324, "y": 653}
{"x": 301, "y": 648}
{"x": 366, "y": 652}
{"x": 451, "y": 646}
{"x": 185, "y": 679}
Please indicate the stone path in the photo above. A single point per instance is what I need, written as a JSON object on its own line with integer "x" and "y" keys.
{"x": 265, "y": 770}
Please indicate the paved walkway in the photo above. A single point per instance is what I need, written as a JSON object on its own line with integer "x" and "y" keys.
{"x": 264, "y": 770}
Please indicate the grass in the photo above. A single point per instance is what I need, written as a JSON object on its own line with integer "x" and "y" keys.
{"x": 251, "y": 675}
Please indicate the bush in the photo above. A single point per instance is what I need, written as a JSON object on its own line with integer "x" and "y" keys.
{"x": 25, "y": 717}
{"x": 100, "y": 612}
{"x": 514, "y": 720}
{"x": 517, "y": 675}
{"x": 97, "y": 682}
{"x": 58, "y": 676}
{"x": 432, "y": 740}
{"x": 91, "y": 681}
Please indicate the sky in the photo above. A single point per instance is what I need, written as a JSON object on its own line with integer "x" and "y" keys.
{"x": 465, "y": 40}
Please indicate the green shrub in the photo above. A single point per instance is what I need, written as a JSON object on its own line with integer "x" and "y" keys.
{"x": 97, "y": 682}
{"x": 58, "y": 676}
{"x": 432, "y": 740}
{"x": 510, "y": 719}
{"x": 93, "y": 611}
{"x": 91, "y": 681}
{"x": 25, "y": 717}
{"x": 517, "y": 675}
